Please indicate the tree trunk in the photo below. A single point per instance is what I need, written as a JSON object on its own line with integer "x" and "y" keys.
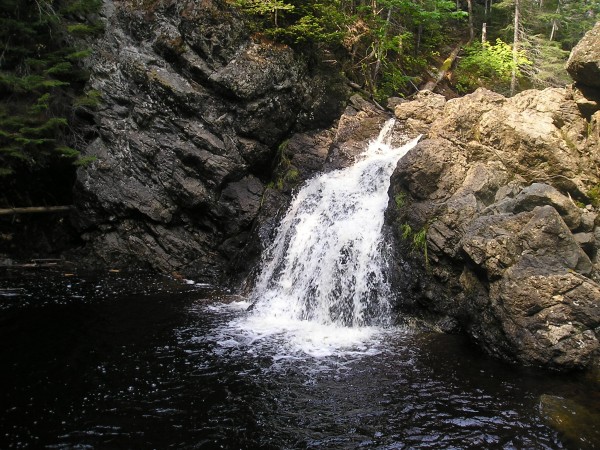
{"x": 471, "y": 29}
{"x": 379, "y": 53}
{"x": 555, "y": 23}
{"x": 515, "y": 50}
{"x": 553, "y": 31}
{"x": 483, "y": 32}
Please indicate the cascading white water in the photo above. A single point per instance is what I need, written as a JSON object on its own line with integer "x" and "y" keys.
{"x": 326, "y": 264}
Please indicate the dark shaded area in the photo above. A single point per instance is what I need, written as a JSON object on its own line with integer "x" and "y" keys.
{"x": 24, "y": 237}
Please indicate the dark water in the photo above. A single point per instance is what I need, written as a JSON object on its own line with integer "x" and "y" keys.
{"x": 116, "y": 361}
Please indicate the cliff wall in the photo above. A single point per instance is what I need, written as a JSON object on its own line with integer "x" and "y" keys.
{"x": 193, "y": 111}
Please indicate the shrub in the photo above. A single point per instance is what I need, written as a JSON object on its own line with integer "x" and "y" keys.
{"x": 488, "y": 65}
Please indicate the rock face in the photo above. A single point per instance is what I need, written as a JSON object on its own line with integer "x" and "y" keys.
{"x": 193, "y": 110}
{"x": 500, "y": 187}
{"x": 200, "y": 144}
{"x": 584, "y": 61}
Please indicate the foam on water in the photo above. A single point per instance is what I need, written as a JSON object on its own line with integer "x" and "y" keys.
{"x": 323, "y": 286}
{"x": 302, "y": 337}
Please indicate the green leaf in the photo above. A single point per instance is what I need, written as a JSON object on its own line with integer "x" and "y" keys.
{"x": 6, "y": 171}
{"x": 41, "y": 81}
{"x": 80, "y": 54}
{"x": 81, "y": 29}
{"x": 85, "y": 161}
{"x": 60, "y": 68}
{"x": 42, "y": 104}
{"x": 67, "y": 152}
{"x": 91, "y": 99}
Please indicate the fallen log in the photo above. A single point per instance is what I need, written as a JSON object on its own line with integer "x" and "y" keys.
{"x": 432, "y": 84}
{"x": 35, "y": 210}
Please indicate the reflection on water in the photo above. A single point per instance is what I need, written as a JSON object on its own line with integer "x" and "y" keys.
{"x": 120, "y": 361}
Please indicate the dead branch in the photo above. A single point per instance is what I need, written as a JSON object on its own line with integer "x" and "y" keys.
{"x": 35, "y": 210}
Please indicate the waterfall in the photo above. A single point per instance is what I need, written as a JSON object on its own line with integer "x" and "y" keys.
{"x": 327, "y": 264}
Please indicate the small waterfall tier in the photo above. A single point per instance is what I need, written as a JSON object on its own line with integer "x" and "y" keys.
{"x": 327, "y": 263}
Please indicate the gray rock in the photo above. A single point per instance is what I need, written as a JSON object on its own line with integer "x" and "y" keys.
{"x": 193, "y": 110}
{"x": 258, "y": 70}
{"x": 539, "y": 194}
{"x": 584, "y": 62}
{"x": 588, "y": 220}
{"x": 587, "y": 241}
{"x": 548, "y": 318}
{"x": 420, "y": 112}
{"x": 392, "y": 102}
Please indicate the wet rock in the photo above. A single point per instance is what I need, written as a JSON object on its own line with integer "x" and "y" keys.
{"x": 360, "y": 122}
{"x": 422, "y": 170}
{"x": 193, "y": 111}
{"x": 241, "y": 199}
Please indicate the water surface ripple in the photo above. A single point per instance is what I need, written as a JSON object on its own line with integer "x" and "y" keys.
{"x": 117, "y": 361}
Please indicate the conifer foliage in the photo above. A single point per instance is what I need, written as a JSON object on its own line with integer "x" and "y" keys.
{"x": 541, "y": 34}
{"x": 41, "y": 81}
{"x": 391, "y": 45}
